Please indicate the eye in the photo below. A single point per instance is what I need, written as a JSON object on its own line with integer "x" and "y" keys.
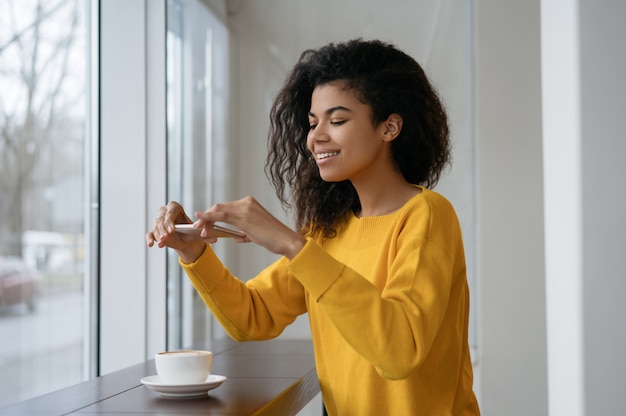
{"x": 337, "y": 122}
{"x": 312, "y": 126}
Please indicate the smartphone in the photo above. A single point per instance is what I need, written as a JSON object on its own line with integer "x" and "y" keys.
{"x": 218, "y": 231}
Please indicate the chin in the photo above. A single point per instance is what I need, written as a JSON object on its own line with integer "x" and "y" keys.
{"x": 331, "y": 178}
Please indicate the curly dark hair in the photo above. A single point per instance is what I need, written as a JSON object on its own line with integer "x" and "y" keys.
{"x": 386, "y": 79}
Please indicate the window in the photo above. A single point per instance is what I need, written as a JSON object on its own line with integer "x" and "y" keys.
{"x": 197, "y": 100}
{"x": 46, "y": 188}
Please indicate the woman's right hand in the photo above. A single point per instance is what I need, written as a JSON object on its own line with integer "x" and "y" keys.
{"x": 188, "y": 247}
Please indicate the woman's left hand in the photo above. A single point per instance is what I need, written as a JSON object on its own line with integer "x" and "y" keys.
{"x": 260, "y": 226}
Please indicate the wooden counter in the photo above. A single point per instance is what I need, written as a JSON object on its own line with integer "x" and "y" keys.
{"x": 264, "y": 378}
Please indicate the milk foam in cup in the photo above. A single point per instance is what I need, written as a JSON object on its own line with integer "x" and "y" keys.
{"x": 183, "y": 366}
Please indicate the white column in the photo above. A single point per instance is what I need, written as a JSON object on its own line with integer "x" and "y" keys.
{"x": 562, "y": 209}
{"x": 132, "y": 278}
{"x": 156, "y": 145}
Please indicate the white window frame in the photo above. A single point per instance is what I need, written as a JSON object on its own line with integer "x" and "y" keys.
{"x": 133, "y": 173}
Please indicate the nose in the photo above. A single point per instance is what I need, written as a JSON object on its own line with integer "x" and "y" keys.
{"x": 313, "y": 138}
{"x": 317, "y": 135}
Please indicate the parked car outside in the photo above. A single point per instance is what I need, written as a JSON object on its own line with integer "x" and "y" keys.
{"x": 19, "y": 283}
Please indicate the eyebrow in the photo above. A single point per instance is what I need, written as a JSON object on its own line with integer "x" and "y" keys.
{"x": 332, "y": 110}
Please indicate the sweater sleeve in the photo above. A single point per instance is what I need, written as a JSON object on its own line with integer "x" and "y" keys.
{"x": 395, "y": 328}
{"x": 255, "y": 310}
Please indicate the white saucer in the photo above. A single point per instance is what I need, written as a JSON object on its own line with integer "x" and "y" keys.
{"x": 183, "y": 390}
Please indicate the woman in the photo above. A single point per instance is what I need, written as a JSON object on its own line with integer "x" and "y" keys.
{"x": 357, "y": 138}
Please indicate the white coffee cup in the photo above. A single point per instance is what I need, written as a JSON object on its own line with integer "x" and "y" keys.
{"x": 183, "y": 366}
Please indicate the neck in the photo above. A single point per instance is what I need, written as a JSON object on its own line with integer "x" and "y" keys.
{"x": 384, "y": 197}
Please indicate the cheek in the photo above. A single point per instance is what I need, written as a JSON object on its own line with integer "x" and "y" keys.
{"x": 309, "y": 141}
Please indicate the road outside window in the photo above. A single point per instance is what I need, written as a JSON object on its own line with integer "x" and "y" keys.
{"x": 44, "y": 109}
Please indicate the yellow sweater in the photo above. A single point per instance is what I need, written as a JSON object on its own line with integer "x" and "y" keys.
{"x": 388, "y": 305}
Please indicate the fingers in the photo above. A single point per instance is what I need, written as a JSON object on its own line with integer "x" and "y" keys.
{"x": 154, "y": 234}
{"x": 174, "y": 214}
{"x": 243, "y": 213}
{"x": 205, "y": 223}
{"x": 166, "y": 217}
{"x": 209, "y": 239}
{"x": 237, "y": 213}
{"x": 218, "y": 212}
{"x": 245, "y": 239}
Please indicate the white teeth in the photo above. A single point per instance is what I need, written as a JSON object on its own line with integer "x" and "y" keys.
{"x": 327, "y": 154}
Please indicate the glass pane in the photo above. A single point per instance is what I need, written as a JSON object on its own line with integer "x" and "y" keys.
{"x": 174, "y": 143}
{"x": 44, "y": 109}
{"x": 196, "y": 87}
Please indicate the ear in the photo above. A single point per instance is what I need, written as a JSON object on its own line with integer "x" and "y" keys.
{"x": 392, "y": 127}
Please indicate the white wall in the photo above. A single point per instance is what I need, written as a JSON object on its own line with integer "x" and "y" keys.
{"x": 584, "y": 89}
{"x": 517, "y": 355}
{"x": 501, "y": 157}
{"x": 603, "y": 127}
{"x": 582, "y": 353}
{"x": 512, "y": 323}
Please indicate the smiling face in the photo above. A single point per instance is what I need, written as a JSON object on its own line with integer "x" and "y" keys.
{"x": 342, "y": 138}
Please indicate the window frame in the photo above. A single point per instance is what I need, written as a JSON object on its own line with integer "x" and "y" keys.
{"x": 132, "y": 286}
